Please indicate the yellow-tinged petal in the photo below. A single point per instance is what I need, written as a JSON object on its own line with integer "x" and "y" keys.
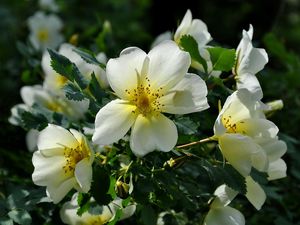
{"x": 123, "y": 72}
{"x": 154, "y": 133}
{"x": 113, "y": 121}
{"x": 224, "y": 216}
{"x": 255, "y": 194}
{"x": 188, "y": 96}
{"x": 238, "y": 150}
{"x": 168, "y": 65}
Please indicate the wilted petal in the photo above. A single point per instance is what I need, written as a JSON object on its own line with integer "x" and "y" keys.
{"x": 255, "y": 194}
{"x": 113, "y": 121}
{"x": 154, "y": 133}
{"x": 188, "y": 96}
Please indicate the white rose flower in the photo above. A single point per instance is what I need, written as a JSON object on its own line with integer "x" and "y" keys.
{"x": 68, "y": 213}
{"x": 55, "y": 82}
{"x": 38, "y": 95}
{"x": 247, "y": 139}
{"x": 45, "y": 30}
{"x": 147, "y": 86}
{"x": 198, "y": 30}
{"x": 63, "y": 161}
{"x": 249, "y": 61}
{"x": 220, "y": 212}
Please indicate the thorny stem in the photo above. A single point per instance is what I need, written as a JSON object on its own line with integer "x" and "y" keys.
{"x": 213, "y": 138}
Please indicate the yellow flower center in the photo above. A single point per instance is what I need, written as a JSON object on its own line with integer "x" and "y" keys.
{"x": 146, "y": 99}
{"x": 75, "y": 155}
{"x": 61, "y": 80}
{"x": 43, "y": 35}
{"x": 54, "y": 106}
{"x": 233, "y": 127}
{"x": 97, "y": 220}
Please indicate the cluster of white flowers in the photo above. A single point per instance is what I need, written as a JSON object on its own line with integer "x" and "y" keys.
{"x": 147, "y": 86}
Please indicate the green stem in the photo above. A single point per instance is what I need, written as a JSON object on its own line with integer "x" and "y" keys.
{"x": 213, "y": 138}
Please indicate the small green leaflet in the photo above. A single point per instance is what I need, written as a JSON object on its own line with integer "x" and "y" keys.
{"x": 189, "y": 44}
{"x": 223, "y": 59}
{"x": 73, "y": 92}
{"x": 63, "y": 66}
{"x": 89, "y": 57}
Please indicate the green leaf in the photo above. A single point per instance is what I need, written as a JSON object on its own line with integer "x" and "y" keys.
{"x": 89, "y": 57}
{"x": 33, "y": 120}
{"x": 189, "y": 44}
{"x": 234, "y": 179}
{"x": 223, "y": 59}
{"x": 148, "y": 215}
{"x": 96, "y": 89}
{"x": 63, "y": 66}
{"x": 73, "y": 92}
{"x": 83, "y": 201}
{"x": 260, "y": 177}
{"x": 100, "y": 186}
{"x": 6, "y": 221}
{"x": 186, "y": 126}
{"x": 116, "y": 217}
{"x": 20, "y": 216}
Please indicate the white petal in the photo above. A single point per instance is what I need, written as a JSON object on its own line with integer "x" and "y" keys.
{"x": 57, "y": 193}
{"x": 254, "y": 61}
{"x": 83, "y": 174}
{"x": 188, "y": 96}
{"x": 54, "y": 136}
{"x": 155, "y": 133}
{"x": 275, "y": 149}
{"x": 122, "y": 72}
{"x": 113, "y": 121}
{"x": 255, "y": 194}
{"x": 35, "y": 94}
{"x": 277, "y": 170}
{"x": 224, "y": 195}
{"x": 168, "y": 65}
{"x": 184, "y": 26}
{"x": 257, "y": 128}
{"x": 238, "y": 150}
{"x": 48, "y": 170}
{"x": 31, "y": 139}
{"x": 198, "y": 30}
{"x": 161, "y": 38}
{"x": 224, "y": 216}
{"x": 250, "y": 82}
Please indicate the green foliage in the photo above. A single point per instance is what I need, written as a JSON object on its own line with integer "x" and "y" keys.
{"x": 63, "y": 66}
{"x": 73, "y": 92}
{"x": 88, "y": 57}
{"x": 189, "y": 44}
{"x": 222, "y": 59}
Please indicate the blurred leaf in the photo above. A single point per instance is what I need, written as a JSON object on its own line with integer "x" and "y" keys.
{"x": 185, "y": 125}
{"x": 100, "y": 186}
{"x": 20, "y": 216}
{"x": 96, "y": 89}
{"x": 260, "y": 177}
{"x": 6, "y": 221}
{"x": 63, "y": 66}
{"x": 83, "y": 201}
{"x": 222, "y": 59}
{"x": 89, "y": 57}
{"x": 189, "y": 44}
{"x": 73, "y": 92}
{"x": 148, "y": 215}
{"x": 33, "y": 120}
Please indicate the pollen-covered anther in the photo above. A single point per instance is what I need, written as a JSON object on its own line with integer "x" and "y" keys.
{"x": 73, "y": 156}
